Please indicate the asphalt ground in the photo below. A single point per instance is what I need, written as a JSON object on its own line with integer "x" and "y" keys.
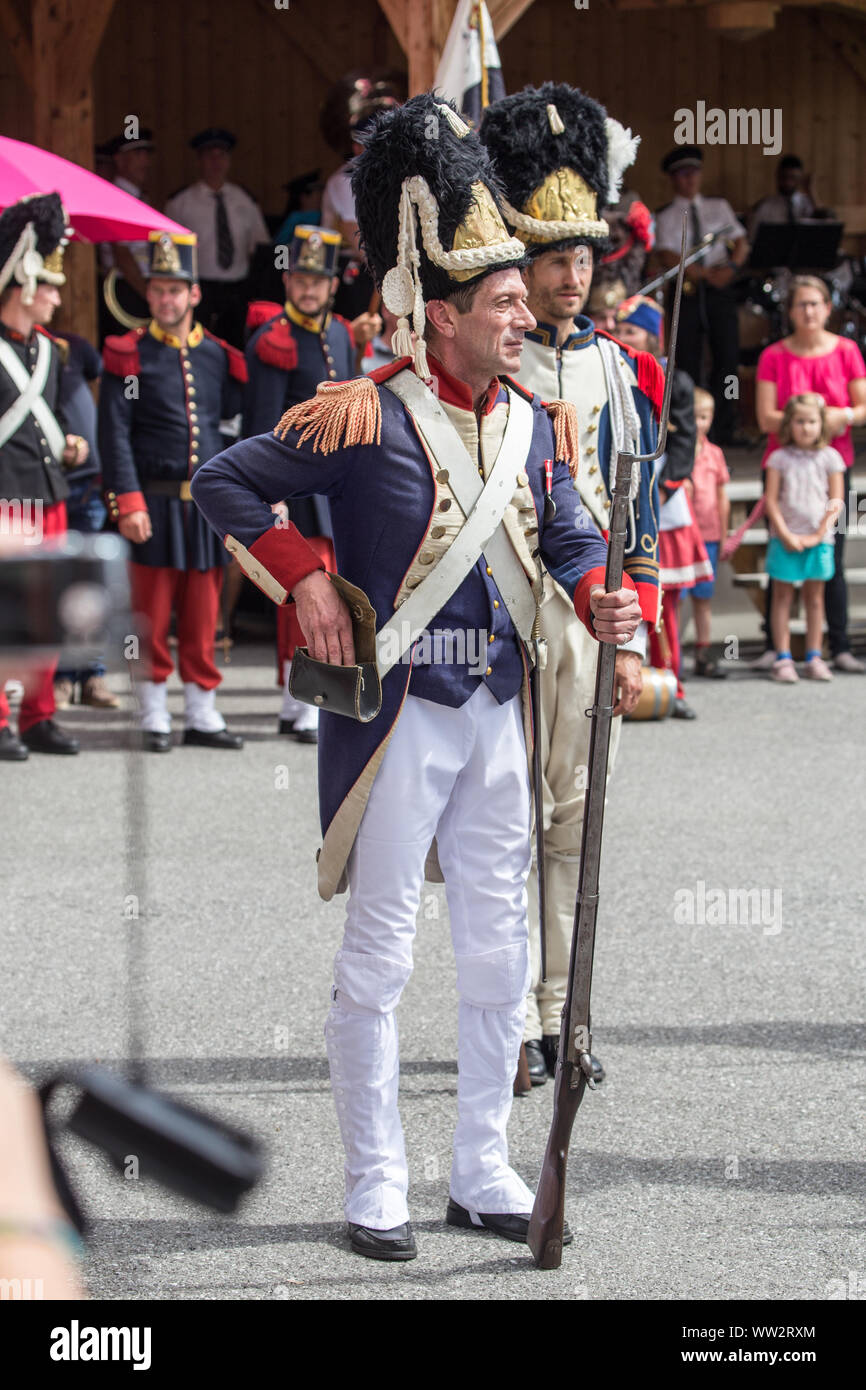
{"x": 722, "y": 1157}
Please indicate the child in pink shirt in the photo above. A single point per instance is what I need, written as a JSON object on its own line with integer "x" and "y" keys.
{"x": 711, "y": 507}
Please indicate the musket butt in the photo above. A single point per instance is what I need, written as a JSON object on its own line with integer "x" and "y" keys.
{"x": 547, "y": 1254}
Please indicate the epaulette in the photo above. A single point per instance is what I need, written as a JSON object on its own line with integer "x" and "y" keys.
{"x": 120, "y": 352}
{"x": 341, "y": 415}
{"x": 276, "y": 346}
{"x": 60, "y": 343}
{"x": 348, "y": 327}
{"x": 261, "y": 311}
{"x": 563, "y": 416}
{"x": 236, "y": 359}
{"x": 650, "y": 377}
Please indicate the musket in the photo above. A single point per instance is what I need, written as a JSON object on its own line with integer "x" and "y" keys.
{"x": 706, "y": 244}
{"x": 574, "y": 1061}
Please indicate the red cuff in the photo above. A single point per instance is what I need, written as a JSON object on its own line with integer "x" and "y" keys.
{"x": 648, "y": 596}
{"x": 129, "y": 502}
{"x": 582, "y": 592}
{"x": 284, "y": 553}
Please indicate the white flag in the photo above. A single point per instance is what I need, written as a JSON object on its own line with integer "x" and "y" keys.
{"x": 469, "y": 72}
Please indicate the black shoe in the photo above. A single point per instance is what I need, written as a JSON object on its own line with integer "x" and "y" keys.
{"x": 396, "y": 1244}
{"x": 536, "y": 1063}
{"x": 706, "y": 665}
{"x": 154, "y": 741}
{"x": 550, "y": 1052}
{"x": 12, "y": 750}
{"x": 217, "y": 738}
{"x": 287, "y": 726}
{"x": 681, "y": 710}
{"x": 46, "y": 737}
{"x": 509, "y": 1225}
{"x": 305, "y": 735}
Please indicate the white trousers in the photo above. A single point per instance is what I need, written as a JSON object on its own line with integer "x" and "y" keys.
{"x": 458, "y": 774}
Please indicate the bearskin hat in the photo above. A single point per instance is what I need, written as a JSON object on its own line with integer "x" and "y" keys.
{"x": 32, "y": 233}
{"x": 560, "y": 158}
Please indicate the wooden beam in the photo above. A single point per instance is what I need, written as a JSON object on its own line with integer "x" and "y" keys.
{"x": 505, "y": 14}
{"x": 85, "y": 36}
{"x": 743, "y": 19}
{"x": 846, "y": 38}
{"x": 423, "y": 25}
{"x": 395, "y": 13}
{"x": 64, "y": 34}
{"x": 17, "y": 40}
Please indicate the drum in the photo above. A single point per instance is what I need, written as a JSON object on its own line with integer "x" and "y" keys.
{"x": 658, "y": 694}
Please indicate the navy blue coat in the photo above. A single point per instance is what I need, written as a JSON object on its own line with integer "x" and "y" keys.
{"x": 381, "y": 499}
{"x": 285, "y": 363}
{"x": 160, "y": 409}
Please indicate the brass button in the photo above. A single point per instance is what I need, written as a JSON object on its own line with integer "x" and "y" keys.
{"x": 196, "y": 430}
{"x": 522, "y": 480}
{"x": 489, "y": 671}
{"x": 193, "y": 458}
{"x": 490, "y": 638}
{"x": 319, "y": 699}
{"x": 590, "y": 450}
{"x": 600, "y": 488}
{"x": 438, "y": 532}
{"x": 443, "y": 475}
{"x": 332, "y": 374}
{"x": 427, "y": 557}
{"x": 596, "y": 410}
{"x": 607, "y": 503}
{"x": 192, "y": 390}
{"x": 593, "y": 468}
{"x": 445, "y": 504}
{"x": 590, "y": 429}
{"x": 413, "y": 581}
{"x": 495, "y": 605}
{"x": 489, "y": 570}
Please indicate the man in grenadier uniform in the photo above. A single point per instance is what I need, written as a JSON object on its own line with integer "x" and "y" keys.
{"x": 34, "y": 446}
{"x": 165, "y": 390}
{"x": 295, "y": 346}
{"x": 405, "y": 457}
{"x": 560, "y": 158}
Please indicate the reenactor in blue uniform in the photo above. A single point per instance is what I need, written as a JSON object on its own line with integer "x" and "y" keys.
{"x": 165, "y": 390}
{"x": 295, "y": 346}
{"x": 436, "y": 470}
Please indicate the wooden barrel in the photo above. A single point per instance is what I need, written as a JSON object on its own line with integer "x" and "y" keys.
{"x": 658, "y": 694}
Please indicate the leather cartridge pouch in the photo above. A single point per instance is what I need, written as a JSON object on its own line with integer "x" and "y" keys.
{"x": 355, "y": 691}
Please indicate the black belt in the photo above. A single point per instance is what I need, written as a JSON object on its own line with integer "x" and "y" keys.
{"x": 167, "y": 488}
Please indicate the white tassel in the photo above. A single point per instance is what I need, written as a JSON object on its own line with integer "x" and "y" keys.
{"x": 422, "y": 370}
{"x": 555, "y": 119}
{"x": 460, "y": 128}
{"x": 621, "y": 154}
{"x": 401, "y": 342}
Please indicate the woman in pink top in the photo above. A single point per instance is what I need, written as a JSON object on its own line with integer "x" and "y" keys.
{"x": 812, "y": 360}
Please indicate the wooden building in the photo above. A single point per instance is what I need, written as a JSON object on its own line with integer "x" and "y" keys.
{"x": 72, "y": 70}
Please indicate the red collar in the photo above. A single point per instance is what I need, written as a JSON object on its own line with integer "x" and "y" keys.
{"x": 13, "y": 333}
{"x": 453, "y": 391}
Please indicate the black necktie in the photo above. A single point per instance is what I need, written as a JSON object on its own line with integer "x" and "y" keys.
{"x": 225, "y": 241}
{"x": 695, "y": 225}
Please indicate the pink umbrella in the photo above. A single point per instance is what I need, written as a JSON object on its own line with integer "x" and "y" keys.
{"x": 98, "y": 211}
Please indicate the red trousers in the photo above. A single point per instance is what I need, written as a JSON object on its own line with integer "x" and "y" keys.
{"x": 665, "y": 645}
{"x": 289, "y": 634}
{"x": 194, "y": 595}
{"x": 38, "y": 701}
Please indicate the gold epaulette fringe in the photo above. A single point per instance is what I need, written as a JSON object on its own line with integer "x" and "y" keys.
{"x": 340, "y": 415}
{"x": 566, "y": 432}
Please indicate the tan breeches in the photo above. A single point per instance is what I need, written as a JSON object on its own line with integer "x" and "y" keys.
{"x": 567, "y": 691}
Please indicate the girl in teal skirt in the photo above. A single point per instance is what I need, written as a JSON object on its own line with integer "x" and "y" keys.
{"x": 805, "y": 483}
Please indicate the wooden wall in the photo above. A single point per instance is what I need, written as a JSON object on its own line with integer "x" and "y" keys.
{"x": 263, "y": 71}
{"x": 644, "y": 64}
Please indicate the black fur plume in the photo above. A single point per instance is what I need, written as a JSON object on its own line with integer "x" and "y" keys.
{"x": 417, "y": 139}
{"x": 524, "y": 149}
{"x": 45, "y": 211}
